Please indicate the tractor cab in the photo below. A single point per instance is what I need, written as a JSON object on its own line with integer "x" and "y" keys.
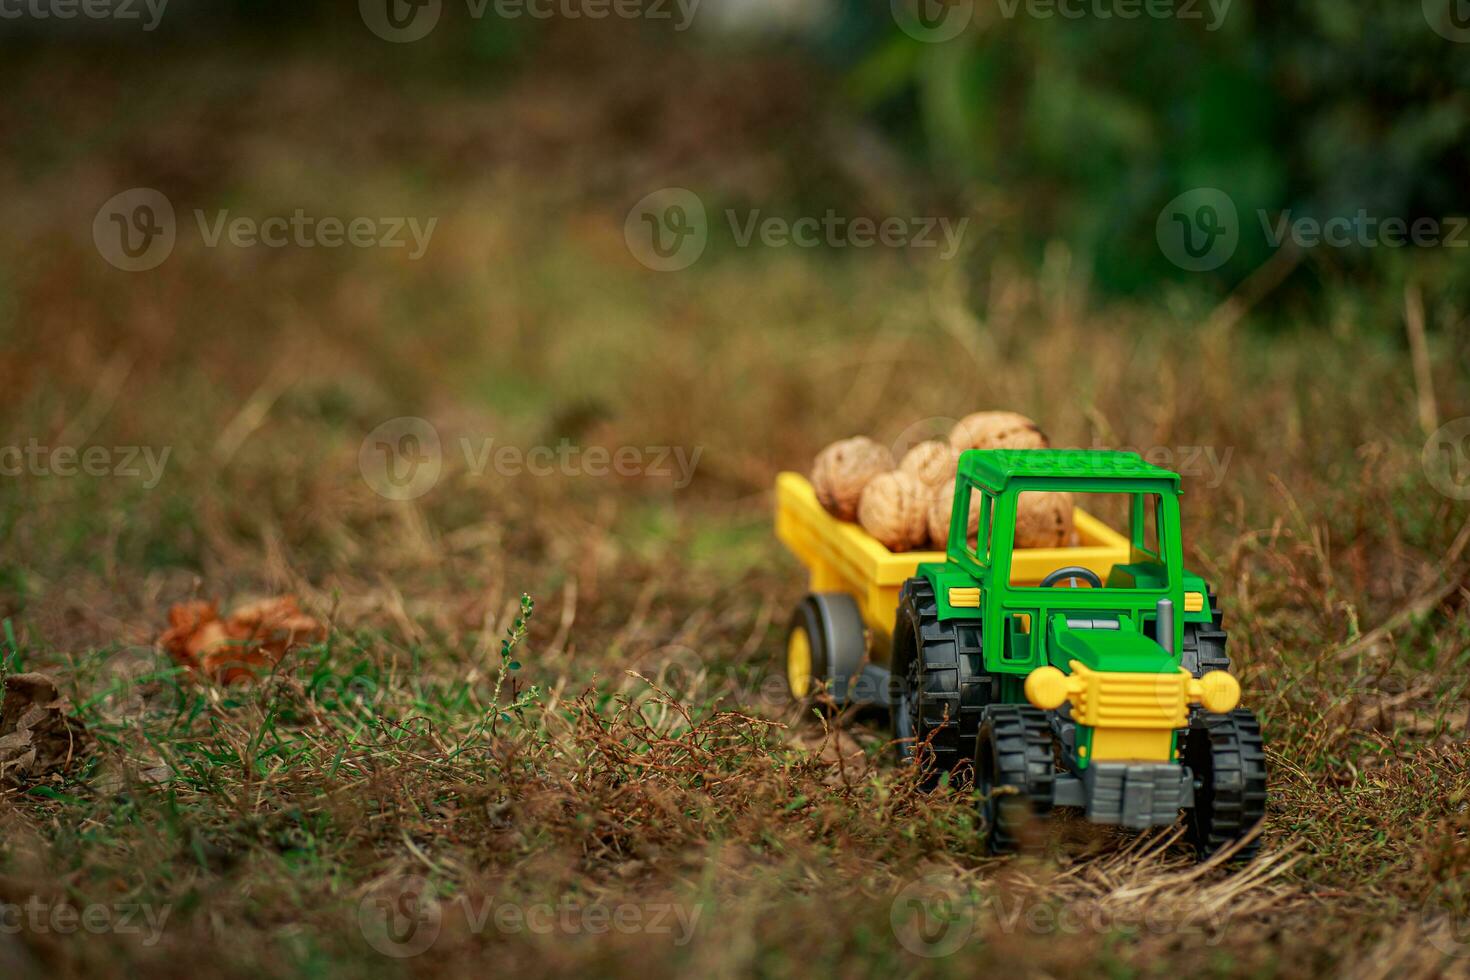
{"x": 1054, "y": 615}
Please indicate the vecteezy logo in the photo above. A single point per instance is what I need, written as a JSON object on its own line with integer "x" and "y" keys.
{"x": 401, "y": 920}
{"x": 1450, "y": 19}
{"x": 401, "y": 458}
{"x": 1199, "y": 230}
{"x": 935, "y": 427}
{"x": 1446, "y": 459}
{"x": 932, "y": 21}
{"x": 400, "y": 21}
{"x": 135, "y": 230}
{"x": 667, "y": 230}
{"x": 932, "y": 917}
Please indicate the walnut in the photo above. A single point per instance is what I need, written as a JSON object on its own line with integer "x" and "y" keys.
{"x": 843, "y": 469}
{"x": 1044, "y": 519}
{"x": 941, "y": 509}
{"x": 997, "y": 430}
{"x": 932, "y": 461}
{"x": 895, "y": 508}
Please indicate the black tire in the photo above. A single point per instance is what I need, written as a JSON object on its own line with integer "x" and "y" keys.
{"x": 939, "y": 687}
{"x": 837, "y": 643}
{"x": 1227, "y": 759}
{"x": 1204, "y": 651}
{"x": 1015, "y": 768}
{"x": 1204, "y": 643}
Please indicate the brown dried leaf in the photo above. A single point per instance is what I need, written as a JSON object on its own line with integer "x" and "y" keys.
{"x": 255, "y": 635}
{"x": 37, "y": 738}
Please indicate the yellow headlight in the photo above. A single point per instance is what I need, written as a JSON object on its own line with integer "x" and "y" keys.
{"x": 1047, "y": 688}
{"x": 1217, "y": 691}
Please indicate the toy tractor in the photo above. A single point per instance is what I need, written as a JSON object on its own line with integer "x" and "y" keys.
{"x": 1091, "y": 676}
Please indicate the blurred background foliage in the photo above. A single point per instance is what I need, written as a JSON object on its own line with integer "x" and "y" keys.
{"x": 1052, "y": 130}
{"x": 1320, "y": 107}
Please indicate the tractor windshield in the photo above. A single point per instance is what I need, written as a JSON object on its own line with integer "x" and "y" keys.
{"x": 1071, "y": 525}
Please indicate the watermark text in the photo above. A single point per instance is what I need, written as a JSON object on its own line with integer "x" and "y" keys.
{"x": 39, "y": 917}
{"x": 147, "y": 13}
{"x": 126, "y": 462}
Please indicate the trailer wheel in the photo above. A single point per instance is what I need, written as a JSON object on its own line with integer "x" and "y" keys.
{"x": 1228, "y": 761}
{"x": 1015, "y": 770}
{"x": 938, "y": 688}
{"x": 825, "y": 646}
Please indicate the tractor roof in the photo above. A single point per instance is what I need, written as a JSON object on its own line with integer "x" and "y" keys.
{"x": 995, "y": 468}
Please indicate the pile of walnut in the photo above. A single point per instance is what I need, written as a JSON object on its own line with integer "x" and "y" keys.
{"x": 908, "y": 506}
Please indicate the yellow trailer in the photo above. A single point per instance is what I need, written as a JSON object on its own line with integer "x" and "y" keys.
{"x": 843, "y": 558}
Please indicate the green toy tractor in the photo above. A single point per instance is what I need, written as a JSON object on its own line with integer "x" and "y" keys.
{"x": 1105, "y": 689}
{"x": 1091, "y": 675}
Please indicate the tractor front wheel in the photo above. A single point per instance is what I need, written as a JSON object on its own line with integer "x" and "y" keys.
{"x": 1226, "y": 756}
{"x": 1015, "y": 770}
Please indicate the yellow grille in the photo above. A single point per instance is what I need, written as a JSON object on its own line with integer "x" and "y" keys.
{"x": 1134, "y": 701}
{"x": 1132, "y": 715}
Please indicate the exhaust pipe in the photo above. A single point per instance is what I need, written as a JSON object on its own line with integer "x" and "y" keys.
{"x": 1164, "y": 625}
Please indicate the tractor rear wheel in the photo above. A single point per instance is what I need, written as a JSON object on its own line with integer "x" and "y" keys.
{"x": 1227, "y": 758}
{"x": 1204, "y": 651}
{"x": 938, "y": 687}
{"x": 1015, "y": 770}
{"x": 1204, "y": 643}
{"x": 825, "y": 647}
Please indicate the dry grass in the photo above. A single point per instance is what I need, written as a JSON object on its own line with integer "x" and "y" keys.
{"x": 638, "y": 757}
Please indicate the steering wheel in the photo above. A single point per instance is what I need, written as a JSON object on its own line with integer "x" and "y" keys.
{"x": 1074, "y": 572}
